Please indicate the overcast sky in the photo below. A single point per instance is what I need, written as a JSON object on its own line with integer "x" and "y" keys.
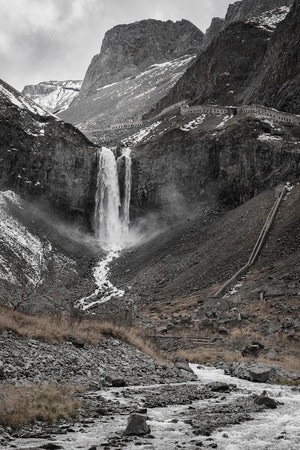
{"x": 43, "y": 40}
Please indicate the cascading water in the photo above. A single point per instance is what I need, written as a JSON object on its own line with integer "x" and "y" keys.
{"x": 125, "y": 206}
{"x": 111, "y": 220}
{"x": 112, "y": 215}
{"x": 108, "y": 227}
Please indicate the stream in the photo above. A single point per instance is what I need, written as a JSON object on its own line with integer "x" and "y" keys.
{"x": 272, "y": 429}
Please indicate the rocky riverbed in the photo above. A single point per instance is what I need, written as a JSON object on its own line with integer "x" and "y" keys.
{"x": 179, "y": 406}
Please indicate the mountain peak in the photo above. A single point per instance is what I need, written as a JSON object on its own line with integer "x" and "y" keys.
{"x": 127, "y": 50}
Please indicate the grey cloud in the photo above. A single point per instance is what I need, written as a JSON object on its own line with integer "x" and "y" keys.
{"x": 60, "y": 43}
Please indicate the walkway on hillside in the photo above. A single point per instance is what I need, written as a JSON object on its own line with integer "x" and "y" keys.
{"x": 236, "y": 278}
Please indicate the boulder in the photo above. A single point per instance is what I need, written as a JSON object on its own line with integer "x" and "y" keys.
{"x": 218, "y": 386}
{"x": 137, "y": 425}
{"x": 260, "y": 374}
{"x": 264, "y": 400}
{"x": 183, "y": 366}
{"x": 252, "y": 349}
{"x": 252, "y": 372}
{"x": 115, "y": 380}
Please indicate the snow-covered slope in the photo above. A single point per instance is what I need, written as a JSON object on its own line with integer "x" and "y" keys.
{"x": 7, "y": 92}
{"x": 54, "y": 96}
{"x": 128, "y": 99}
{"x": 25, "y": 258}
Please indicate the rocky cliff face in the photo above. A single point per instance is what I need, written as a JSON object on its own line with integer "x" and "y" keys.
{"x": 278, "y": 83}
{"x": 219, "y": 161}
{"x": 45, "y": 159}
{"x": 212, "y": 32}
{"x": 137, "y": 66}
{"x": 247, "y": 9}
{"x": 222, "y": 72}
{"x": 230, "y": 70}
{"x": 128, "y": 50}
{"x": 125, "y": 101}
{"x": 54, "y": 96}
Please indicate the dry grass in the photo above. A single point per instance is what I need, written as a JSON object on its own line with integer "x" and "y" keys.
{"x": 240, "y": 337}
{"x": 50, "y": 328}
{"x": 209, "y": 355}
{"x": 56, "y": 329}
{"x": 22, "y": 405}
{"x": 287, "y": 361}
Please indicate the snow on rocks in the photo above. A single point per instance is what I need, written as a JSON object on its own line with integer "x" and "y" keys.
{"x": 53, "y": 95}
{"x": 21, "y": 102}
{"x": 20, "y": 247}
{"x": 225, "y": 119}
{"x": 270, "y": 19}
{"x": 266, "y": 137}
{"x": 17, "y": 239}
{"x": 141, "y": 135}
{"x": 194, "y": 123}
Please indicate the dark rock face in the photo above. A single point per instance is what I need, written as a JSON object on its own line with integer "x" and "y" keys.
{"x": 212, "y": 32}
{"x": 229, "y": 168}
{"x": 246, "y": 9}
{"x": 127, "y": 50}
{"x": 222, "y": 73}
{"x": 246, "y": 62}
{"x": 45, "y": 159}
{"x": 278, "y": 83}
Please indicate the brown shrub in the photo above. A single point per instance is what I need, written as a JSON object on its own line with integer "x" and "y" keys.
{"x": 22, "y": 405}
{"x": 59, "y": 328}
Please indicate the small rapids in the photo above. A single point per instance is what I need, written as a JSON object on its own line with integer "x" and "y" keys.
{"x": 272, "y": 429}
{"x": 276, "y": 429}
{"x": 112, "y": 219}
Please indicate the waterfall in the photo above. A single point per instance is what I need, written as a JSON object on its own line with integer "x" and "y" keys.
{"x": 112, "y": 202}
{"x": 127, "y": 190}
{"x": 112, "y": 213}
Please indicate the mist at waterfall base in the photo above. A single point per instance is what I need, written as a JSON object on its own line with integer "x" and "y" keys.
{"x": 113, "y": 232}
{"x": 111, "y": 221}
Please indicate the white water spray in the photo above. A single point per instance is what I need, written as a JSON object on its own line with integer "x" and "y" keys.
{"x": 112, "y": 220}
{"x": 127, "y": 192}
{"x": 112, "y": 215}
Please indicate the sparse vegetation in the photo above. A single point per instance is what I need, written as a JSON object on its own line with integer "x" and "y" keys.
{"x": 58, "y": 328}
{"x": 288, "y": 382}
{"x": 209, "y": 355}
{"x": 22, "y": 405}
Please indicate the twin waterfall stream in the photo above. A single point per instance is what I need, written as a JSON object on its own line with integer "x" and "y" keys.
{"x": 111, "y": 220}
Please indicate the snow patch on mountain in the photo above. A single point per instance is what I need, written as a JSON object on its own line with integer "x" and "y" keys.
{"x": 18, "y": 100}
{"x": 269, "y": 137}
{"x": 54, "y": 96}
{"x": 270, "y": 19}
{"x": 194, "y": 123}
{"x": 141, "y": 135}
{"x": 22, "y": 254}
{"x": 128, "y": 99}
